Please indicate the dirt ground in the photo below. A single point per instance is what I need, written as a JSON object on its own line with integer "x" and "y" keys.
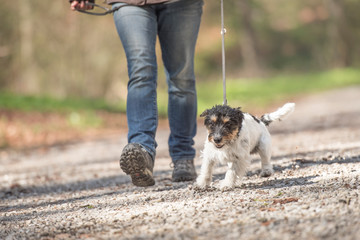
{"x": 77, "y": 191}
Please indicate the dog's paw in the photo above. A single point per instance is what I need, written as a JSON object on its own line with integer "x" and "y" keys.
{"x": 226, "y": 186}
{"x": 208, "y": 188}
{"x": 202, "y": 183}
{"x": 226, "y": 189}
{"x": 267, "y": 172}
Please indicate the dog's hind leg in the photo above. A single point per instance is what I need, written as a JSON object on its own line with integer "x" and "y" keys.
{"x": 205, "y": 177}
{"x": 264, "y": 150}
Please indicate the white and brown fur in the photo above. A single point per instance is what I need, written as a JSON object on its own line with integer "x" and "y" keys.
{"x": 232, "y": 137}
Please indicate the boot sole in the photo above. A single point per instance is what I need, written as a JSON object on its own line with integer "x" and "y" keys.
{"x": 132, "y": 162}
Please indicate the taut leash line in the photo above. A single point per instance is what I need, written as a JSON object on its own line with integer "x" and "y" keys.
{"x": 223, "y": 31}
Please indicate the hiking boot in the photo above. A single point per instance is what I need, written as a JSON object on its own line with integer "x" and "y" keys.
{"x": 137, "y": 162}
{"x": 184, "y": 170}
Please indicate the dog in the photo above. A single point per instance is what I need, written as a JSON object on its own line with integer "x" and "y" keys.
{"x": 232, "y": 137}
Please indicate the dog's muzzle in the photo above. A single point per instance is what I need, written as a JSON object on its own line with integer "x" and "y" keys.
{"x": 218, "y": 142}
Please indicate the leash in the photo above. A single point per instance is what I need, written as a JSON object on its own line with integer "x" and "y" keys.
{"x": 223, "y": 31}
{"x": 99, "y": 10}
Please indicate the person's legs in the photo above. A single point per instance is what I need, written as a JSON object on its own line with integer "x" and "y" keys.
{"x": 178, "y": 28}
{"x": 137, "y": 28}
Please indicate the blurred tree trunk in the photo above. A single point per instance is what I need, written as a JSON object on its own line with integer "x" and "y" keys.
{"x": 28, "y": 81}
{"x": 249, "y": 49}
{"x": 339, "y": 35}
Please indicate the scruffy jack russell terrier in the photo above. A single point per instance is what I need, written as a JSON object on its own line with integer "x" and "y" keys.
{"x": 232, "y": 137}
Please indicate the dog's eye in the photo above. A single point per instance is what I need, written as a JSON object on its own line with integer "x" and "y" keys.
{"x": 230, "y": 126}
{"x": 227, "y": 124}
{"x": 209, "y": 123}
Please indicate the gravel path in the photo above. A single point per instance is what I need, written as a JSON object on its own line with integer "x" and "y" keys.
{"x": 78, "y": 191}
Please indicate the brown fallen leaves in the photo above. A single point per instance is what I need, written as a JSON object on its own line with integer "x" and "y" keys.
{"x": 278, "y": 201}
{"x": 265, "y": 222}
{"x": 285, "y": 200}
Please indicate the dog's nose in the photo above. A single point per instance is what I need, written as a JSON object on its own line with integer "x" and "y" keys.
{"x": 217, "y": 139}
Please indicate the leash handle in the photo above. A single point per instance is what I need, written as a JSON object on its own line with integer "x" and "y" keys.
{"x": 103, "y": 10}
{"x": 223, "y": 31}
{"x": 94, "y": 5}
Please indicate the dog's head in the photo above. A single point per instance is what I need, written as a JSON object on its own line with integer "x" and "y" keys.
{"x": 223, "y": 124}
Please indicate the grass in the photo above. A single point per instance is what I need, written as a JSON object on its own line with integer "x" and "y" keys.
{"x": 49, "y": 104}
{"x": 79, "y": 113}
{"x": 240, "y": 92}
{"x": 264, "y": 92}
{"x": 43, "y": 120}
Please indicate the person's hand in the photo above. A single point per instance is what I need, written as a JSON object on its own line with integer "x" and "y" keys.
{"x": 80, "y": 5}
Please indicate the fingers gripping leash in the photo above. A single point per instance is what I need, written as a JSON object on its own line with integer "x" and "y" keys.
{"x": 95, "y": 9}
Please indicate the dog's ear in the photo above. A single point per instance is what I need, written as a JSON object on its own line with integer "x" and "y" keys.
{"x": 240, "y": 113}
{"x": 205, "y": 113}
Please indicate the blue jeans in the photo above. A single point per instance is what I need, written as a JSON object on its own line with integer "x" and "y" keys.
{"x": 177, "y": 26}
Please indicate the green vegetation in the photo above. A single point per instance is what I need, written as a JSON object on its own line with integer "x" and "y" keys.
{"x": 264, "y": 92}
{"x": 48, "y": 104}
{"x": 240, "y": 92}
{"x": 84, "y": 119}
{"x": 79, "y": 113}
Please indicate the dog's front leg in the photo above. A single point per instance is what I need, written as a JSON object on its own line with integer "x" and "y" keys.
{"x": 205, "y": 177}
{"x": 230, "y": 177}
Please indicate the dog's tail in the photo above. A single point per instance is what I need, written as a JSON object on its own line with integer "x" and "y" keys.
{"x": 279, "y": 114}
